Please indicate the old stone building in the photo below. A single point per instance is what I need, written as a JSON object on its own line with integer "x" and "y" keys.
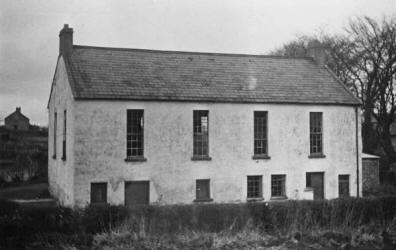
{"x": 17, "y": 121}
{"x": 133, "y": 126}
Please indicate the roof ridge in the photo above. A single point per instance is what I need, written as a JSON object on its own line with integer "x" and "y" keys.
{"x": 192, "y": 52}
{"x": 15, "y": 112}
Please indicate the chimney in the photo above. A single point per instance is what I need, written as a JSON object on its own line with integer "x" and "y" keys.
{"x": 65, "y": 41}
{"x": 18, "y": 109}
{"x": 317, "y": 51}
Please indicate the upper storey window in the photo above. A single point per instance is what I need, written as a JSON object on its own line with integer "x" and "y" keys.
{"x": 135, "y": 134}
{"x": 260, "y": 134}
{"x": 201, "y": 135}
{"x": 316, "y": 134}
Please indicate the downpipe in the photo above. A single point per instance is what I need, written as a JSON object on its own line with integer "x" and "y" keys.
{"x": 357, "y": 152}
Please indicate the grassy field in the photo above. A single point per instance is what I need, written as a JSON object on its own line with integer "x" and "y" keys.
{"x": 28, "y": 191}
{"x": 337, "y": 224}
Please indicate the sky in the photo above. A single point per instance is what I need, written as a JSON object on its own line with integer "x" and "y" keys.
{"x": 29, "y": 32}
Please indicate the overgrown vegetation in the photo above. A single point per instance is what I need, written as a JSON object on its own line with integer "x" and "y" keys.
{"x": 291, "y": 224}
{"x": 23, "y": 156}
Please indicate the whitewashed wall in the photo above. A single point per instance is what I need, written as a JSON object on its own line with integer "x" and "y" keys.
{"x": 100, "y": 149}
{"x": 61, "y": 173}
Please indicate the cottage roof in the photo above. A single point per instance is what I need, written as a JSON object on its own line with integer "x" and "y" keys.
{"x": 17, "y": 114}
{"x": 136, "y": 74}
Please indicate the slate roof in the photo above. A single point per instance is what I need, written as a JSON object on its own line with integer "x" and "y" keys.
{"x": 17, "y": 114}
{"x": 134, "y": 74}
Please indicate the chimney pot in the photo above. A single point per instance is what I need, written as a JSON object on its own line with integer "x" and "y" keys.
{"x": 317, "y": 51}
{"x": 65, "y": 41}
{"x": 18, "y": 109}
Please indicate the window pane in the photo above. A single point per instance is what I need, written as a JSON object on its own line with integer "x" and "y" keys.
{"x": 55, "y": 127}
{"x": 201, "y": 132}
{"x": 278, "y": 185}
{"x": 315, "y": 128}
{"x": 99, "y": 192}
{"x": 343, "y": 185}
{"x": 64, "y": 136}
{"x": 254, "y": 186}
{"x": 135, "y": 132}
{"x": 260, "y": 132}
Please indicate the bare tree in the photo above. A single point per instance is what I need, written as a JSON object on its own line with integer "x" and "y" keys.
{"x": 364, "y": 58}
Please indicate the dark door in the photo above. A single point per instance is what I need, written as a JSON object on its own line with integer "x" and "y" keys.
{"x": 315, "y": 181}
{"x": 137, "y": 193}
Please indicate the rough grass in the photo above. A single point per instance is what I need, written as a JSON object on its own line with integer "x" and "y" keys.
{"x": 29, "y": 191}
{"x": 343, "y": 223}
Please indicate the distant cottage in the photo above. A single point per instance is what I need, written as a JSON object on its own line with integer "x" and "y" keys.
{"x": 133, "y": 126}
{"x": 17, "y": 121}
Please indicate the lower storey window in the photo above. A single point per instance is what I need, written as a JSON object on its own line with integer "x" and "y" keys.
{"x": 254, "y": 186}
{"x": 278, "y": 186}
{"x": 203, "y": 190}
{"x": 99, "y": 193}
{"x": 343, "y": 185}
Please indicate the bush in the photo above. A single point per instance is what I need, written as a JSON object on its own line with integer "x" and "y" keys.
{"x": 20, "y": 227}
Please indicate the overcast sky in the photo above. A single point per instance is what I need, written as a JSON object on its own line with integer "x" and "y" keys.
{"x": 29, "y": 33}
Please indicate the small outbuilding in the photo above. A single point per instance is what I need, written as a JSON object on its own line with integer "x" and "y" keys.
{"x": 370, "y": 172}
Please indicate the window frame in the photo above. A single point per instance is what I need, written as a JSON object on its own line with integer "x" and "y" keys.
{"x": 54, "y": 134}
{"x": 64, "y": 135}
{"x": 98, "y": 186}
{"x": 258, "y": 185}
{"x": 205, "y": 182}
{"x": 282, "y": 180}
{"x": 131, "y": 132}
{"x": 198, "y": 132}
{"x": 343, "y": 182}
{"x": 256, "y": 115}
{"x": 316, "y": 148}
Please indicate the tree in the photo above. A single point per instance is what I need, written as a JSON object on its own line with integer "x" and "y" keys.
{"x": 364, "y": 58}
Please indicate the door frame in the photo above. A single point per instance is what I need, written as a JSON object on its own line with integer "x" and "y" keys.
{"x": 323, "y": 174}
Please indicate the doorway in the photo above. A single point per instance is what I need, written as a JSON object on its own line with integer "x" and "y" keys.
{"x": 315, "y": 180}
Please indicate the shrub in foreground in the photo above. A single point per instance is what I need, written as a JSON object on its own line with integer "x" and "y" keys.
{"x": 19, "y": 227}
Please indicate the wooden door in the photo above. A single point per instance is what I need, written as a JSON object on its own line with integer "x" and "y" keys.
{"x": 315, "y": 180}
{"x": 137, "y": 193}
{"x": 317, "y": 185}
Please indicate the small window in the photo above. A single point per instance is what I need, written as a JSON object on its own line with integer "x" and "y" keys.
{"x": 254, "y": 186}
{"x": 64, "y": 137}
{"x": 135, "y": 133}
{"x": 99, "y": 193}
{"x": 55, "y": 127}
{"x": 343, "y": 185}
{"x": 316, "y": 130}
{"x": 278, "y": 183}
{"x": 202, "y": 190}
{"x": 201, "y": 133}
{"x": 260, "y": 133}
